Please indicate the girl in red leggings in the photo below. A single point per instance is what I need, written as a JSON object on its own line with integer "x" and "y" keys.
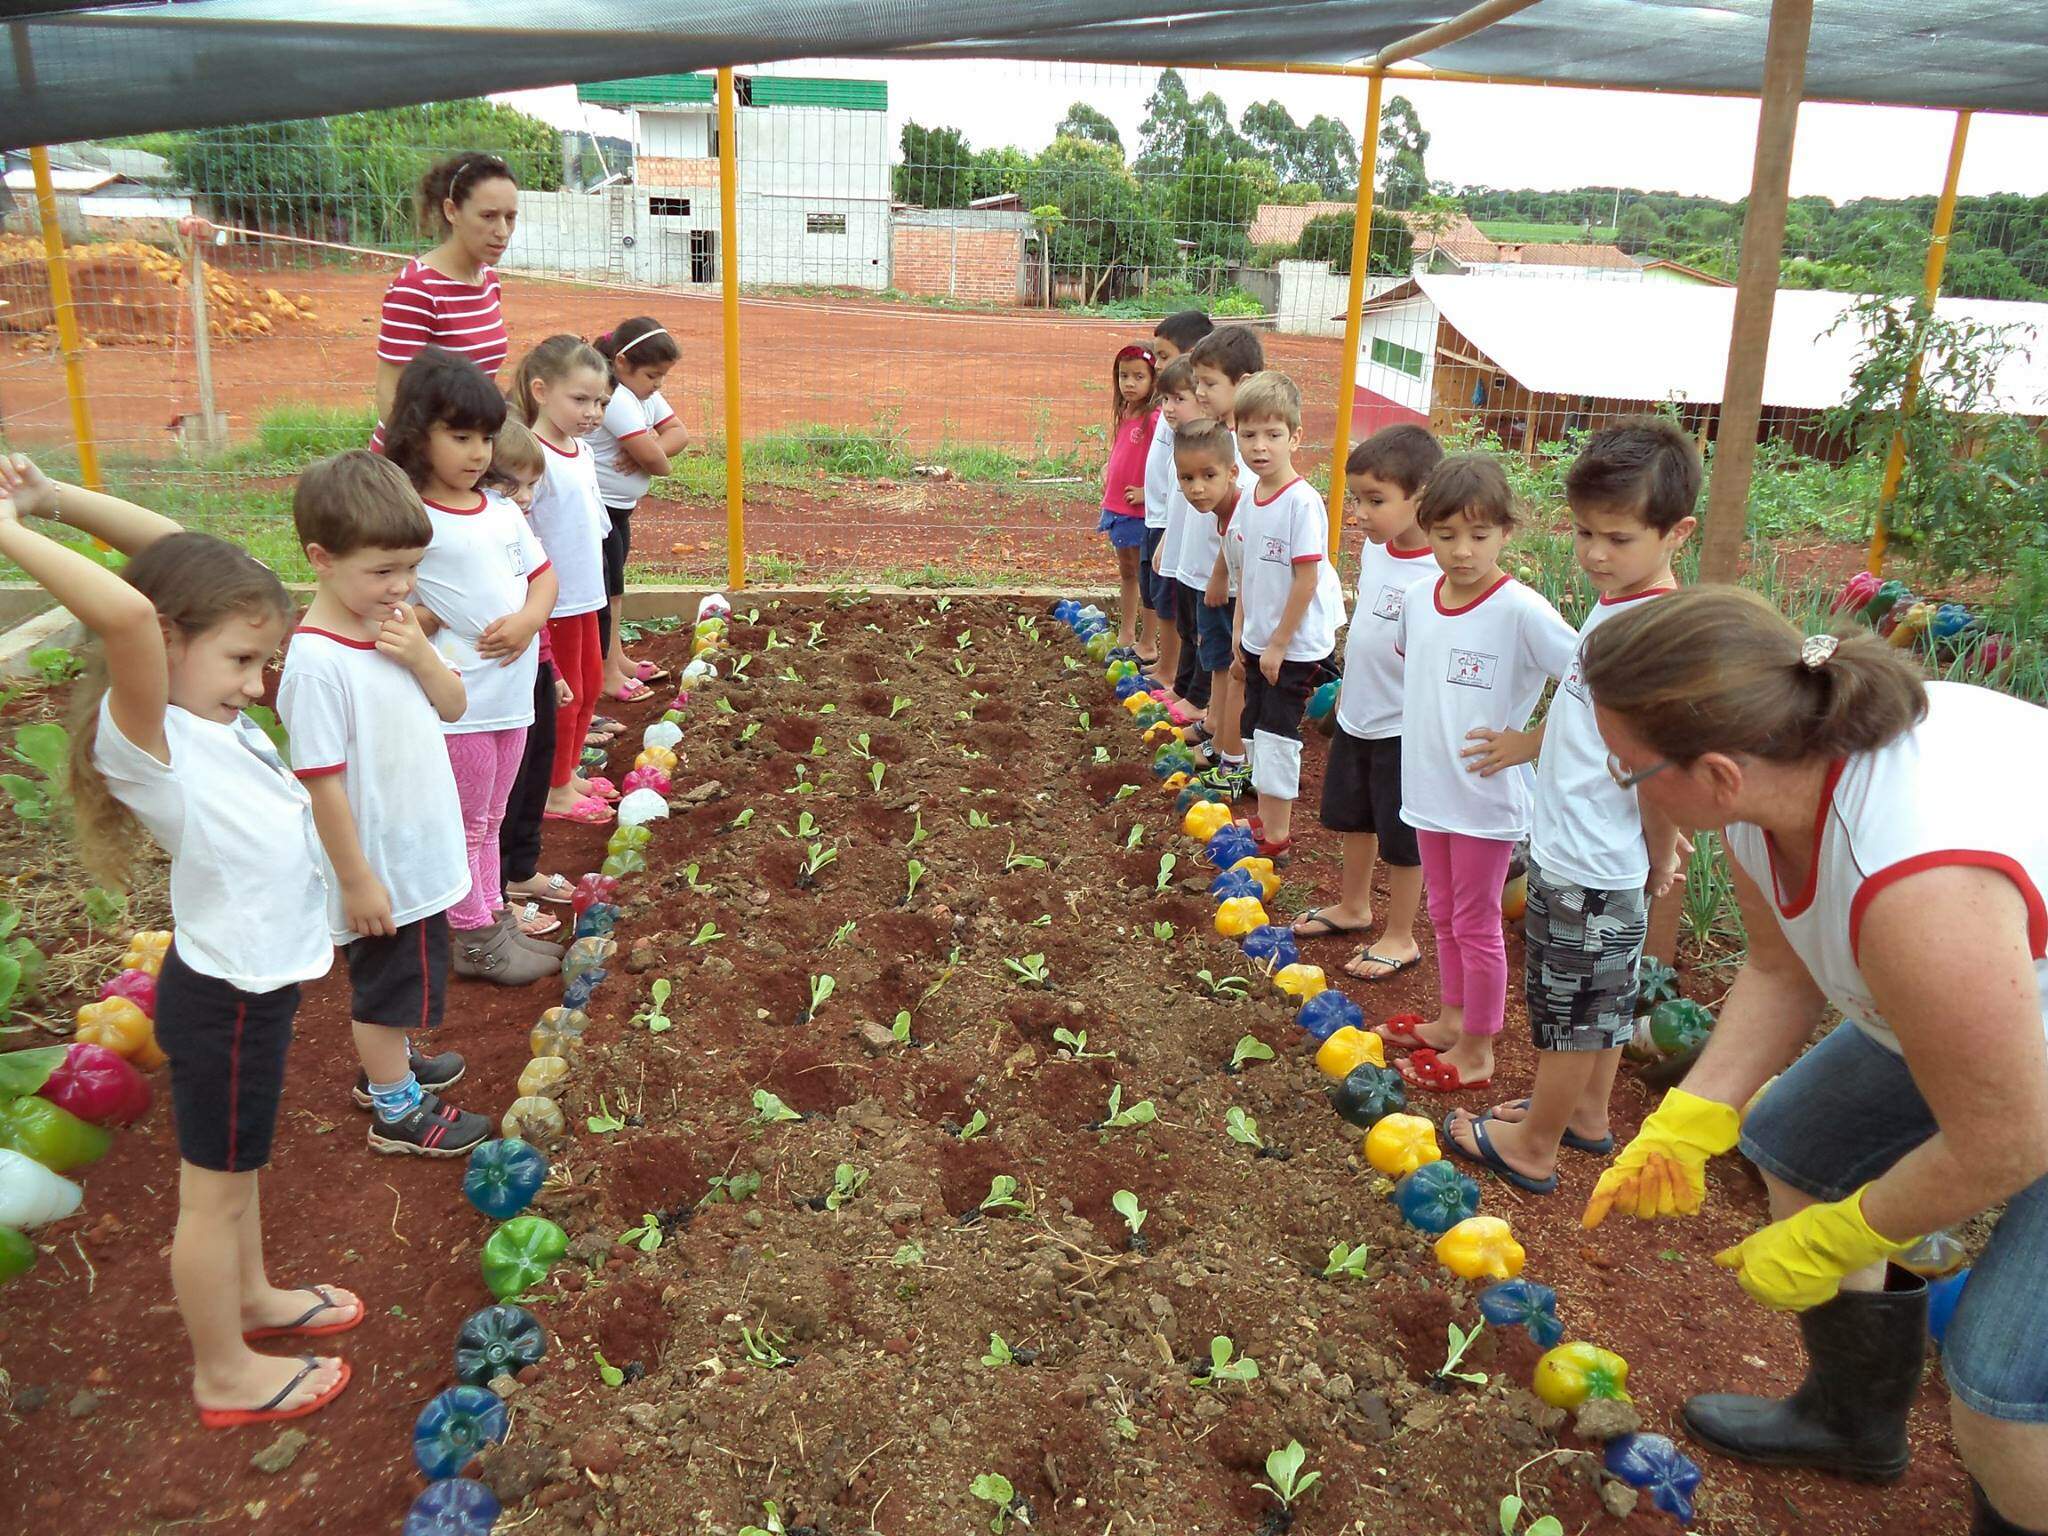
{"x": 560, "y": 392}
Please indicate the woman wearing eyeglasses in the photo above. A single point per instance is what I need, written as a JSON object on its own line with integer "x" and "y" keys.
{"x": 1890, "y": 857}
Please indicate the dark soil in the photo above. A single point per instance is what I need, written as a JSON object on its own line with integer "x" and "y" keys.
{"x": 885, "y": 1306}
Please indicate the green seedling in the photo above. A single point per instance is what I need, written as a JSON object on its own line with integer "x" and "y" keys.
{"x": 979, "y": 820}
{"x": 1136, "y": 837}
{"x": 822, "y": 988}
{"x": 1081, "y": 724}
{"x": 745, "y": 818}
{"x": 818, "y": 747}
{"x": 1101, "y": 757}
{"x": 994, "y": 1488}
{"x": 1224, "y": 986}
{"x": 998, "y": 1352}
{"x": 897, "y": 705}
{"x": 646, "y": 1237}
{"x": 770, "y": 1110}
{"x": 54, "y": 664}
{"x": 1460, "y": 1341}
{"x": 789, "y": 675}
{"x": 917, "y": 831}
{"x": 1223, "y": 1367}
{"x": 1163, "y": 931}
{"x": 1289, "y": 1482}
{"x": 739, "y": 668}
{"x": 47, "y": 749}
{"x": 1167, "y": 861}
{"x": 875, "y": 772}
{"x": 690, "y": 872}
{"x": 806, "y": 827}
{"x": 104, "y": 908}
{"x": 608, "y": 1373}
{"x": 1125, "y": 1204}
{"x": 1031, "y": 970}
{"x": 908, "y": 1255}
{"x": 1121, "y": 1119}
{"x": 772, "y": 1513}
{"x": 1347, "y": 1262}
{"x": 1123, "y": 792}
{"x": 976, "y": 1124}
{"x": 764, "y": 1349}
{"x": 1241, "y": 1127}
{"x": 842, "y": 933}
{"x": 775, "y": 642}
{"x": 653, "y": 1016}
{"x": 1249, "y": 1048}
{"x": 1074, "y": 1043}
{"x": 914, "y": 869}
{"x": 1511, "y": 1508}
{"x": 707, "y": 933}
{"x": 1014, "y": 860}
{"x": 964, "y": 641}
{"x": 943, "y": 604}
{"x": 817, "y": 635}
{"x": 1002, "y": 1196}
{"x": 731, "y": 1189}
{"x": 846, "y": 1183}
{"x": 749, "y": 731}
{"x": 900, "y": 1026}
{"x": 604, "y": 1122}
{"x": 817, "y": 856}
{"x": 914, "y": 650}
{"x": 861, "y": 746}
{"x": 828, "y": 709}
{"x": 962, "y": 668}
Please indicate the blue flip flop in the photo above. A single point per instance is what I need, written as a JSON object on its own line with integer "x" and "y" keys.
{"x": 1486, "y": 1157}
{"x": 1572, "y": 1138}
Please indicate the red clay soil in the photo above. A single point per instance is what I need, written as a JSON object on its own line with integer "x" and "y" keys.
{"x": 883, "y": 1415}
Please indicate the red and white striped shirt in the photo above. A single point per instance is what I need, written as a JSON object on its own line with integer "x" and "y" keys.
{"x": 423, "y": 308}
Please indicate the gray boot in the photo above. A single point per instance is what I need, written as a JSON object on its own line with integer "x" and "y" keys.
{"x": 493, "y": 954}
{"x": 1864, "y": 1354}
{"x": 509, "y": 921}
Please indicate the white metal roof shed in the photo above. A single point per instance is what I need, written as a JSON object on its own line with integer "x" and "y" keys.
{"x": 1669, "y": 341}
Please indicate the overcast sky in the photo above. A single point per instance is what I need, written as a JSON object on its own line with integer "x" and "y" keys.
{"x": 1503, "y": 136}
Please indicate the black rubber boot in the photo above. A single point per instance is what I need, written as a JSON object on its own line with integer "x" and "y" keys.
{"x": 1988, "y": 1521}
{"x": 1864, "y": 1354}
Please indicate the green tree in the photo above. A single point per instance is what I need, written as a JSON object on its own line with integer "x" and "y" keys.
{"x": 999, "y": 171}
{"x": 1210, "y": 205}
{"x": 1640, "y": 228}
{"x": 1177, "y": 127}
{"x": 1322, "y": 155}
{"x": 1101, "y": 230}
{"x": 1404, "y": 179}
{"x": 936, "y": 169}
{"x": 1328, "y": 238}
{"x": 1090, "y": 124}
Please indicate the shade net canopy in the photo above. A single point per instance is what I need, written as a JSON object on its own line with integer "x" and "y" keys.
{"x": 90, "y": 71}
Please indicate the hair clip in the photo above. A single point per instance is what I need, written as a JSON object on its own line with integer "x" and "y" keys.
{"x": 1816, "y": 650}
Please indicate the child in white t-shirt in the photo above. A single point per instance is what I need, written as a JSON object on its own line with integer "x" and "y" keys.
{"x": 1596, "y": 855}
{"x": 1362, "y": 779}
{"x": 633, "y": 444}
{"x": 484, "y": 590}
{"x": 1477, "y": 648}
{"x": 364, "y": 696}
{"x": 185, "y": 630}
{"x": 1289, "y": 605}
{"x": 1164, "y": 510}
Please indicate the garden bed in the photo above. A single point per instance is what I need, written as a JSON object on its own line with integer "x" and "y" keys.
{"x": 883, "y": 1308}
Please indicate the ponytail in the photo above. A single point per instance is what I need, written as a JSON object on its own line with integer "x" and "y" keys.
{"x": 637, "y": 343}
{"x": 453, "y": 180}
{"x": 1718, "y": 669}
{"x": 551, "y": 361}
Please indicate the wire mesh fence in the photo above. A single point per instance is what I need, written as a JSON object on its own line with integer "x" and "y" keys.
{"x": 928, "y": 321}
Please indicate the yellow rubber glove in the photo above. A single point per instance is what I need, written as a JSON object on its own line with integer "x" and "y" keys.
{"x": 1663, "y": 1172}
{"x": 1799, "y": 1262}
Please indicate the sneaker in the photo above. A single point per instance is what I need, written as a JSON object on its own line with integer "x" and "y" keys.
{"x": 509, "y": 921}
{"x": 432, "y": 1072}
{"x": 1234, "y": 779}
{"x": 432, "y": 1129}
{"x": 493, "y": 954}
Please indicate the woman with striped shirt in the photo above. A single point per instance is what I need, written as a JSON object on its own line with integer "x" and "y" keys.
{"x": 449, "y": 297}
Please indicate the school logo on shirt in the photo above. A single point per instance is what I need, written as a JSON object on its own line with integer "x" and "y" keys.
{"x": 1472, "y": 669}
{"x": 1275, "y": 552}
{"x": 516, "y": 558}
{"x": 1388, "y": 604}
{"x": 1574, "y": 680}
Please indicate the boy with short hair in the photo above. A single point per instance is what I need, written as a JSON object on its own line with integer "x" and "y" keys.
{"x": 1164, "y": 512}
{"x": 1594, "y": 851}
{"x": 1289, "y": 602}
{"x": 1362, "y": 782}
{"x": 1218, "y": 361}
{"x": 1207, "y": 485}
{"x": 363, "y": 695}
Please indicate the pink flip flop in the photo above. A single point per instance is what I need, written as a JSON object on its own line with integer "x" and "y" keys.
{"x": 631, "y": 691}
{"x": 589, "y": 811}
{"x": 604, "y": 789}
{"x": 648, "y": 672}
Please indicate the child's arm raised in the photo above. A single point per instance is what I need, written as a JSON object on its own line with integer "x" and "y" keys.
{"x": 121, "y": 524}
{"x": 365, "y": 904}
{"x": 508, "y": 637}
{"x": 401, "y": 638}
{"x": 125, "y": 621}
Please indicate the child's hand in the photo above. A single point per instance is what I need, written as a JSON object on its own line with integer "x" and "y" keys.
{"x": 507, "y": 637}
{"x": 1216, "y": 593}
{"x": 1491, "y": 751}
{"x": 1237, "y": 666}
{"x": 623, "y": 462}
{"x": 1132, "y": 495}
{"x": 401, "y": 638}
{"x": 367, "y": 907}
{"x": 1668, "y": 873}
{"x": 31, "y": 492}
{"x": 564, "y": 694}
{"x": 1269, "y": 665}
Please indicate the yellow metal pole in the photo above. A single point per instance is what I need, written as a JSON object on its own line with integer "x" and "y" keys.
{"x": 67, "y": 320}
{"x": 1930, "y": 288}
{"x": 1347, "y": 361}
{"x": 729, "y": 283}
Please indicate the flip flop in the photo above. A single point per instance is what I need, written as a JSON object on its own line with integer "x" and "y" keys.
{"x": 1392, "y": 969}
{"x": 589, "y": 811}
{"x": 1572, "y": 1138}
{"x": 648, "y": 672}
{"x": 1486, "y": 1157}
{"x": 533, "y": 922}
{"x": 1182, "y": 714}
{"x": 270, "y": 1413}
{"x": 604, "y": 789}
{"x": 631, "y": 691}
{"x": 1399, "y": 1029}
{"x": 606, "y": 725}
{"x": 1426, "y": 1069}
{"x": 1328, "y": 929}
{"x": 298, "y": 1325}
{"x": 558, "y": 890}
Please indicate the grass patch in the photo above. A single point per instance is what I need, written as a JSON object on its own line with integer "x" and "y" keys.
{"x": 293, "y": 435}
{"x": 1547, "y": 234}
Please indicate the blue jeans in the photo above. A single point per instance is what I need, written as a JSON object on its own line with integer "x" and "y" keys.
{"x": 1844, "y": 1113}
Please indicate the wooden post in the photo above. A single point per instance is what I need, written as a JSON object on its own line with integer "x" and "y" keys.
{"x": 1930, "y": 290}
{"x": 1756, "y": 291}
{"x": 68, "y": 345}
{"x": 1347, "y": 361}
{"x": 210, "y": 433}
{"x": 729, "y": 285}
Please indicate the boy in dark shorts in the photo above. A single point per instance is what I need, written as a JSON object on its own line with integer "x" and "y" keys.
{"x": 363, "y": 696}
{"x": 1362, "y": 781}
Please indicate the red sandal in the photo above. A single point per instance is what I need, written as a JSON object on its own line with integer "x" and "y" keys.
{"x": 1428, "y": 1070}
{"x": 1400, "y": 1029}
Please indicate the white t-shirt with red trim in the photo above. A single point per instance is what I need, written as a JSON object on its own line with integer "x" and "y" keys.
{"x": 1369, "y": 702}
{"x": 625, "y": 415}
{"x": 568, "y": 514}
{"x": 1961, "y": 787}
{"x": 1584, "y": 828}
{"x": 1233, "y": 551}
{"x": 352, "y": 710}
{"x": 1483, "y": 664}
{"x": 1162, "y": 480}
{"x": 474, "y": 573}
{"x": 1282, "y": 532}
{"x": 1193, "y": 561}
